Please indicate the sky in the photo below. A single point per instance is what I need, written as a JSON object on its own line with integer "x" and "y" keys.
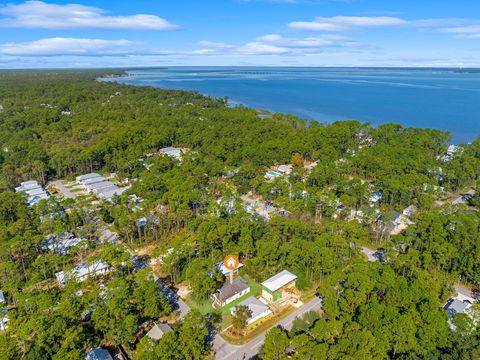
{"x": 141, "y": 33}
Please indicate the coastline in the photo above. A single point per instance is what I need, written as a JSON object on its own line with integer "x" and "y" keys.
{"x": 368, "y": 98}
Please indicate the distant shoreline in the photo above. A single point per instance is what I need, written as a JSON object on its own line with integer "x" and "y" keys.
{"x": 435, "y": 98}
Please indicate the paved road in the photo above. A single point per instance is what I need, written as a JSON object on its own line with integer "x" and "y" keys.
{"x": 67, "y": 194}
{"x": 226, "y": 351}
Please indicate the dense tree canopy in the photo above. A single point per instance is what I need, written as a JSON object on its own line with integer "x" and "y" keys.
{"x": 59, "y": 124}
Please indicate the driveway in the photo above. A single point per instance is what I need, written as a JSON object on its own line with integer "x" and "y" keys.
{"x": 67, "y": 194}
{"x": 183, "y": 308}
{"x": 226, "y": 351}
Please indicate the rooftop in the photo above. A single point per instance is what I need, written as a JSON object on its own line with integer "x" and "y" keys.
{"x": 456, "y": 306}
{"x": 228, "y": 290}
{"x": 61, "y": 244}
{"x": 171, "y": 151}
{"x": 254, "y": 305}
{"x": 98, "y": 354}
{"x": 158, "y": 330}
{"x": 82, "y": 271}
{"x": 82, "y": 178}
{"x": 281, "y": 279}
{"x": 224, "y": 271}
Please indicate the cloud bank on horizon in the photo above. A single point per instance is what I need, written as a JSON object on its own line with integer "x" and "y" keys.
{"x": 237, "y": 32}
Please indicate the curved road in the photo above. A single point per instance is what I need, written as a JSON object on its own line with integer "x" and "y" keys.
{"x": 226, "y": 351}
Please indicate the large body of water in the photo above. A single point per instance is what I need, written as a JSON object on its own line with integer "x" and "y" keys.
{"x": 445, "y": 99}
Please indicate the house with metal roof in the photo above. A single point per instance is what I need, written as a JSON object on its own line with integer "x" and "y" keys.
{"x": 83, "y": 271}
{"x": 224, "y": 271}
{"x": 34, "y": 191}
{"x": 258, "y": 309}
{"x": 171, "y": 151}
{"x": 82, "y": 178}
{"x": 98, "y": 354}
{"x": 93, "y": 180}
{"x": 230, "y": 292}
{"x": 455, "y": 306}
{"x": 99, "y": 185}
{"x": 158, "y": 330}
{"x": 61, "y": 244}
{"x": 279, "y": 286}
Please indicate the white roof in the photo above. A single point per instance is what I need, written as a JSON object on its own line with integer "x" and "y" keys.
{"x": 99, "y": 185}
{"x": 82, "y": 271}
{"x": 105, "y": 189}
{"x": 171, "y": 151}
{"x": 109, "y": 194}
{"x": 36, "y": 191}
{"x": 224, "y": 270}
{"x": 254, "y": 305}
{"x": 34, "y": 200}
{"x": 2, "y": 297}
{"x": 62, "y": 246}
{"x": 93, "y": 180}
{"x": 29, "y": 183}
{"x": 82, "y": 178}
{"x": 281, "y": 279}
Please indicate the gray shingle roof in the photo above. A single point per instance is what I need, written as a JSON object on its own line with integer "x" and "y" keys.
{"x": 228, "y": 290}
{"x": 255, "y": 305}
{"x": 158, "y": 330}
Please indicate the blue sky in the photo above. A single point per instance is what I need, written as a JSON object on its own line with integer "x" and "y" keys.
{"x": 44, "y": 34}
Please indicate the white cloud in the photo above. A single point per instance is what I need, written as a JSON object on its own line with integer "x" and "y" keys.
{"x": 342, "y": 23}
{"x": 38, "y": 14}
{"x": 306, "y": 44}
{"x": 214, "y": 44}
{"x": 473, "y": 29}
{"x": 260, "y": 48}
{"x": 463, "y": 32}
{"x": 67, "y": 46}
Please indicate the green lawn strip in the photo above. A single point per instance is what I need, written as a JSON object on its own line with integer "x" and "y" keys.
{"x": 260, "y": 326}
{"x": 255, "y": 290}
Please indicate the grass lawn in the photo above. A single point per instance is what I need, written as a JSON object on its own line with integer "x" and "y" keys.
{"x": 255, "y": 290}
{"x": 257, "y": 328}
{"x": 204, "y": 306}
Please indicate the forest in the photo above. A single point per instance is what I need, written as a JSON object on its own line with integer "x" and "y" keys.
{"x": 56, "y": 125}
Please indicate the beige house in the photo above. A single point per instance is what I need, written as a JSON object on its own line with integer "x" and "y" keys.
{"x": 279, "y": 286}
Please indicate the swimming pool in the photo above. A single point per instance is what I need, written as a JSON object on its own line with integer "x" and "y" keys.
{"x": 273, "y": 173}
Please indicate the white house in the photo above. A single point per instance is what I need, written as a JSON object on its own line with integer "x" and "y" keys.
{"x": 4, "y": 319}
{"x": 257, "y": 308}
{"x": 83, "y": 271}
{"x": 82, "y": 178}
{"x": 171, "y": 151}
{"x": 230, "y": 292}
{"x": 285, "y": 169}
{"x": 34, "y": 190}
{"x": 99, "y": 186}
{"x": 62, "y": 243}
{"x": 224, "y": 271}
